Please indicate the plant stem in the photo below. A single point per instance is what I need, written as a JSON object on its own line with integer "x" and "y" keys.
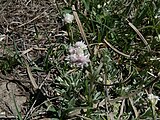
{"x": 91, "y": 85}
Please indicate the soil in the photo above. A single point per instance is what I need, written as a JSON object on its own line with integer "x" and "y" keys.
{"x": 26, "y": 25}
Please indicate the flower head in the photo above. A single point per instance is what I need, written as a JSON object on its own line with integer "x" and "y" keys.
{"x": 81, "y": 45}
{"x": 72, "y": 50}
{"x": 77, "y": 55}
{"x": 73, "y": 58}
{"x": 99, "y": 6}
{"x": 68, "y": 18}
{"x": 154, "y": 99}
{"x": 82, "y": 60}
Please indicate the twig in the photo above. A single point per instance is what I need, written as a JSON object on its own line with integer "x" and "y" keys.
{"x": 8, "y": 117}
{"x": 36, "y": 87}
{"x": 116, "y": 49}
{"x": 28, "y": 113}
{"x": 47, "y": 77}
{"x": 32, "y": 48}
{"x": 80, "y": 27}
{"x": 140, "y": 35}
{"x": 30, "y": 73}
{"x": 3, "y": 77}
{"x": 31, "y": 76}
{"x": 26, "y": 51}
{"x": 134, "y": 108}
{"x": 8, "y": 1}
{"x": 32, "y": 19}
{"x": 121, "y": 111}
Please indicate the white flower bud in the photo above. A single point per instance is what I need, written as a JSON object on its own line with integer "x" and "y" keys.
{"x": 68, "y": 18}
{"x": 81, "y": 45}
{"x": 99, "y": 6}
{"x": 154, "y": 99}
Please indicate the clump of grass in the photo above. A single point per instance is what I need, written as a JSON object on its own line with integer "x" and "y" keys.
{"x": 121, "y": 70}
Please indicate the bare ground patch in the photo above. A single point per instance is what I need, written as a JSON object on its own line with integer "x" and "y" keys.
{"x": 29, "y": 28}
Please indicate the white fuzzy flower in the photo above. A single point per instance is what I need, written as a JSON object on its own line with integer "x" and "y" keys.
{"x": 68, "y": 18}
{"x": 81, "y": 45}
{"x": 77, "y": 51}
{"x": 72, "y": 50}
{"x": 154, "y": 99}
{"x": 99, "y": 6}
{"x": 77, "y": 56}
{"x": 73, "y": 58}
{"x": 79, "y": 60}
{"x": 82, "y": 60}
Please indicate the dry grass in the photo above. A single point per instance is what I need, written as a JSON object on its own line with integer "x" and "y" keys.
{"x": 29, "y": 27}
